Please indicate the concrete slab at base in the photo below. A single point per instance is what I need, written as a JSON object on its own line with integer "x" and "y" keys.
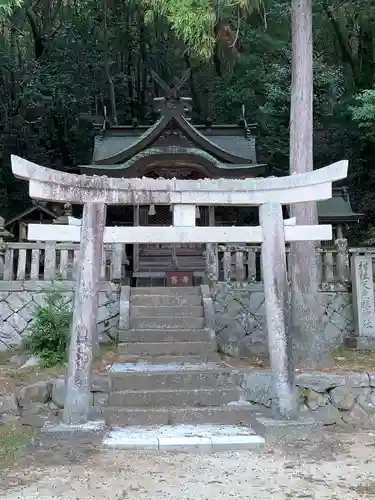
{"x": 279, "y": 430}
{"x": 126, "y": 441}
{"x": 236, "y": 443}
{"x": 185, "y": 443}
{"x": 72, "y": 436}
{"x": 194, "y": 438}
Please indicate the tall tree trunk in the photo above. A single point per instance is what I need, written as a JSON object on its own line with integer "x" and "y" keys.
{"x": 309, "y": 345}
{"x": 193, "y": 89}
{"x": 111, "y": 85}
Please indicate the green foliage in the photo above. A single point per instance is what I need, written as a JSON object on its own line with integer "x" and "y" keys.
{"x": 49, "y": 334}
{"x": 194, "y": 22}
{"x": 364, "y": 113}
{"x": 6, "y": 6}
{"x": 54, "y": 80}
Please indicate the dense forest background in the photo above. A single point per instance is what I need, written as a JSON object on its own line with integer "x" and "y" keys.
{"x": 63, "y": 61}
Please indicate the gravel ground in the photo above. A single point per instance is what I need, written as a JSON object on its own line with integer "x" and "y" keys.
{"x": 339, "y": 468}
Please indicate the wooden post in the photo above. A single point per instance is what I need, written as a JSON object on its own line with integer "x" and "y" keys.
{"x": 251, "y": 264}
{"x": 135, "y": 245}
{"x": 211, "y": 215}
{"x": 84, "y": 327}
{"x": 116, "y": 262}
{"x": 276, "y": 293}
{"x": 50, "y": 261}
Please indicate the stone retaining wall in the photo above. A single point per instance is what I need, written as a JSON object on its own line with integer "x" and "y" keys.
{"x": 34, "y": 404}
{"x": 239, "y": 314}
{"x": 331, "y": 398}
{"x": 240, "y": 319}
{"x": 19, "y": 302}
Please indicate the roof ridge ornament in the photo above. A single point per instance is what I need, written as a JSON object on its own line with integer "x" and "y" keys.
{"x": 172, "y": 102}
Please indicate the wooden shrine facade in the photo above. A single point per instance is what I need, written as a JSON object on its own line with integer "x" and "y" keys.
{"x": 172, "y": 148}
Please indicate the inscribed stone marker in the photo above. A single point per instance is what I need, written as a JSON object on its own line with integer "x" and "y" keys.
{"x": 363, "y": 295}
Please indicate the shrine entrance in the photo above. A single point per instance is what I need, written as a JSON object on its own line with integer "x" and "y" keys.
{"x": 176, "y": 264}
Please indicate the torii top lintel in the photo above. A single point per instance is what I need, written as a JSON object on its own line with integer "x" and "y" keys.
{"x": 52, "y": 185}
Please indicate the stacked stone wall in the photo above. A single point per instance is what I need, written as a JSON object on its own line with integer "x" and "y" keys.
{"x": 331, "y": 398}
{"x": 19, "y": 302}
{"x": 240, "y": 322}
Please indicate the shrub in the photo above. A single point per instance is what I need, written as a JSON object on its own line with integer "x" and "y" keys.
{"x": 48, "y": 336}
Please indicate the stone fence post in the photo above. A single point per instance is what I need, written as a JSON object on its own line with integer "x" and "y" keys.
{"x": 3, "y": 234}
{"x": 342, "y": 260}
{"x": 212, "y": 264}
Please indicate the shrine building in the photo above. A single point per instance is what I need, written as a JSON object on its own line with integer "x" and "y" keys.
{"x": 173, "y": 147}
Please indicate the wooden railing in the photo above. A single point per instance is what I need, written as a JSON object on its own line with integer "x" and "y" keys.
{"x": 243, "y": 264}
{"x": 56, "y": 261}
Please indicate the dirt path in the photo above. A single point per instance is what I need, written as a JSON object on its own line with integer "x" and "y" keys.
{"x": 340, "y": 468}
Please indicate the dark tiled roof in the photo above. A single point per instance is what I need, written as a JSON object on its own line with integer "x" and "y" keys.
{"x": 338, "y": 208}
{"x": 109, "y": 145}
{"x": 236, "y": 145}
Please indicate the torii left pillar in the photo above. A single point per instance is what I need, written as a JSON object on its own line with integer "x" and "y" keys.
{"x": 84, "y": 326}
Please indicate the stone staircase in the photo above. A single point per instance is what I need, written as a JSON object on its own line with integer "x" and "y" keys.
{"x": 168, "y": 322}
{"x": 169, "y": 371}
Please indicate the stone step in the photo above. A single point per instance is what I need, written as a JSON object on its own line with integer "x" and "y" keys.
{"x": 189, "y": 379}
{"x": 166, "y": 335}
{"x": 230, "y": 415}
{"x": 161, "y": 290}
{"x": 166, "y": 323}
{"x": 166, "y": 300}
{"x": 169, "y": 397}
{"x": 166, "y": 311}
{"x": 168, "y": 359}
{"x": 166, "y": 348}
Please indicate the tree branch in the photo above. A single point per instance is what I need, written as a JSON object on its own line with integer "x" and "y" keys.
{"x": 343, "y": 43}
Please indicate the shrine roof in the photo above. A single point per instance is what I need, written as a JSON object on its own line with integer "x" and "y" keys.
{"x": 114, "y": 142}
{"x": 338, "y": 208}
{"x": 35, "y": 206}
{"x": 227, "y": 144}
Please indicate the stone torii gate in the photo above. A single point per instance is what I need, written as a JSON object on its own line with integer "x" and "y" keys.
{"x": 95, "y": 193}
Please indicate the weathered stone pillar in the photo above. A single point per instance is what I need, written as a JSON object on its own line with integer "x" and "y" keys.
{"x": 363, "y": 299}
{"x": 277, "y": 305}
{"x": 212, "y": 264}
{"x": 84, "y": 326}
{"x": 342, "y": 260}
